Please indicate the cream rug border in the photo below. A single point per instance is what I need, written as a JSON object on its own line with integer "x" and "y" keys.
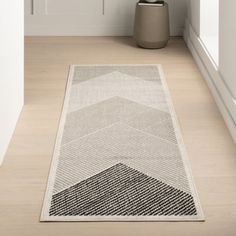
{"x": 52, "y": 173}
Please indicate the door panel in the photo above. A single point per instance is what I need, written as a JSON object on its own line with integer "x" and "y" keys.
{"x": 88, "y": 7}
{"x": 120, "y": 7}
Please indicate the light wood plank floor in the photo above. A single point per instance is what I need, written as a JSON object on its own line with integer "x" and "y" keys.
{"x": 23, "y": 176}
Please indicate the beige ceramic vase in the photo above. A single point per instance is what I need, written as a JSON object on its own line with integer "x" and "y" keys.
{"x": 151, "y": 28}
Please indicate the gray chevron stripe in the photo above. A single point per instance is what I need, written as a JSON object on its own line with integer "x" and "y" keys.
{"x": 87, "y": 120}
{"x": 105, "y": 147}
{"x": 83, "y": 73}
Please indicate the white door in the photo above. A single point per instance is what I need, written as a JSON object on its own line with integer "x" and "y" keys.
{"x": 90, "y": 17}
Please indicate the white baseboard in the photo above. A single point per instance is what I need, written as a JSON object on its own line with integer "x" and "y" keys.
{"x": 105, "y": 30}
{"x": 79, "y": 31}
{"x": 213, "y": 77}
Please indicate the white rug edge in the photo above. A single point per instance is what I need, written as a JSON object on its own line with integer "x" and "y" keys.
{"x": 52, "y": 172}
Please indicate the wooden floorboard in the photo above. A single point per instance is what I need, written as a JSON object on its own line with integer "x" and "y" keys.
{"x": 23, "y": 175}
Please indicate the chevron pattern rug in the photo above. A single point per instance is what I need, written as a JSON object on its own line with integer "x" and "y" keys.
{"x": 119, "y": 155}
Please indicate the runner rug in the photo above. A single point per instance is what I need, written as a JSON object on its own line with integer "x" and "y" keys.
{"x": 119, "y": 155}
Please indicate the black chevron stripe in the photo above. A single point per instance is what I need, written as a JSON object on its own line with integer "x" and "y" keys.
{"x": 121, "y": 190}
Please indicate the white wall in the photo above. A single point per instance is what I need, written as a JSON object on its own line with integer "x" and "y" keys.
{"x": 91, "y": 17}
{"x": 222, "y": 78}
{"x": 194, "y": 15}
{"x": 11, "y": 69}
{"x": 227, "y": 60}
{"x": 209, "y": 27}
{"x": 209, "y": 11}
